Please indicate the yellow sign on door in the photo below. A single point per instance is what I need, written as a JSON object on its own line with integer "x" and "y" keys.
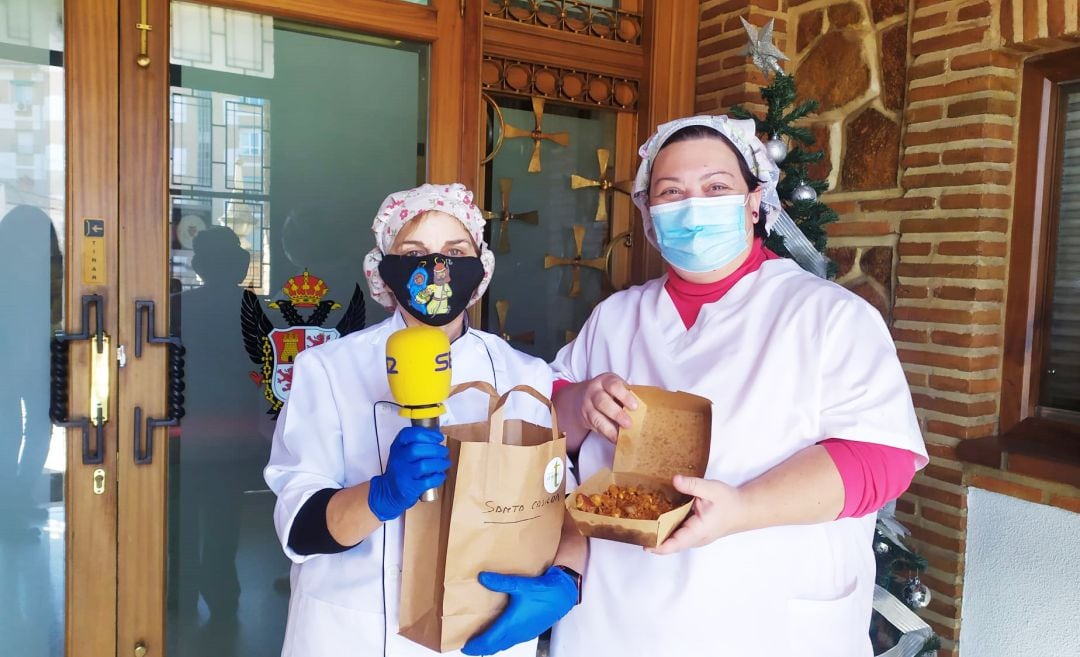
{"x": 93, "y": 251}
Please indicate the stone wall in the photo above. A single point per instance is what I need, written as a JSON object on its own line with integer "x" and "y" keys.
{"x": 852, "y": 57}
{"x": 919, "y": 120}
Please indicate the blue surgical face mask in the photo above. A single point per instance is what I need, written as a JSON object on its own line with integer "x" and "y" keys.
{"x": 701, "y": 234}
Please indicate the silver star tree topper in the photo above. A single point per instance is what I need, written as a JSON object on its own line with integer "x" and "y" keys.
{"x": 760, "y": 48}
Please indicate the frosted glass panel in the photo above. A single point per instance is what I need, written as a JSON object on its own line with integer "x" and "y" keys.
{"x": 33, "y": 461}
{"x": 222, "y": 40}
{"x": 33, "y": 23}
{"x": 552, "y": 314}
{"x": 280, "y": 157}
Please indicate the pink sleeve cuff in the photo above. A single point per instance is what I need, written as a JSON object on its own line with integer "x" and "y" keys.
{"x": 873, "y": 474}
{"x": 558, "y": 384}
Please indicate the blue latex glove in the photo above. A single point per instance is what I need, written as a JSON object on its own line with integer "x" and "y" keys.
{"x": 418, "y": 461}
{"x": 536, "y": 603}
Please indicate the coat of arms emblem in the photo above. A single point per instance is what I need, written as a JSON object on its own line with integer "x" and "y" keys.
{"x": 275, "y": 350}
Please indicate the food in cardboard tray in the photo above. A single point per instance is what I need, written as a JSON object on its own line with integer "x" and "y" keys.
{"x": 630, "y": 502}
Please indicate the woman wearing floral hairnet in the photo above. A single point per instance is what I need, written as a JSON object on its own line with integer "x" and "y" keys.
{"x": 345, "y": 466}
{"x": 813, "y": 424}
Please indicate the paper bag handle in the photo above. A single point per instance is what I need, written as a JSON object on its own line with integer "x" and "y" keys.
{"x": 496, "y": 434}
{"x": 482, "y": 386}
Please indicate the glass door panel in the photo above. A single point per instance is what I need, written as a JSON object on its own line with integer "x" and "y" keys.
{"x": 284, "y": 139}
{"x": 535, "y": 260}
{"x": 33, "y": 460}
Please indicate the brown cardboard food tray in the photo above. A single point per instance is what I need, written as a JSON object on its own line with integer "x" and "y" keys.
{"x": 670, "y": 434}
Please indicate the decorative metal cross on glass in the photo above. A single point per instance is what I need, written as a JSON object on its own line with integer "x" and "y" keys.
{"x": 504, "y": 217}
{"x": 537, "y": 135}
{"x": 603, "y": 155}
{"x": 577, "y": 262}
{"x": 502, "y": 309}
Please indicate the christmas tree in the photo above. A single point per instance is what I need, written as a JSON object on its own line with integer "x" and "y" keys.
{"x": 898, "y": 567}
{"x": 799, "y": 192}
{"x": 898, "y": 570}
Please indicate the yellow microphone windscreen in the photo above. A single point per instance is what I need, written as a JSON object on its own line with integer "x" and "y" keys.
{"x": 418, "y": 369}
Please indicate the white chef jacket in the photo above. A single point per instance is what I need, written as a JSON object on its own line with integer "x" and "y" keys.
{"x": 787, "y": 360}
{"x": 333, "y": 434}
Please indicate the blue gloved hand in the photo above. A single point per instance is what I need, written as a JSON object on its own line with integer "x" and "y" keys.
{"x": 418, "y": 461}
{"x": 536, "y": 603}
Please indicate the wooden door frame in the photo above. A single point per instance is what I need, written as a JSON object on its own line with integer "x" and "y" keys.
{"x": 90, "y": 90}
{"x": 144, "y": 271}
{"x": 670, "y": 39}
{"x": 143, "y": 121}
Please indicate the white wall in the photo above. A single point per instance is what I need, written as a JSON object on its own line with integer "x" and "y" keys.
{"x": 1022, "y": 579}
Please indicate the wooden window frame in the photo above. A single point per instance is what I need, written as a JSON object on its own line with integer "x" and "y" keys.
{"x": 1030, "y": 443}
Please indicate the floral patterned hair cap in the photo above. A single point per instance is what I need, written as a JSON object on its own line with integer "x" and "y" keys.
{"x": 738, "y": 132}
{"x": 401, "y": 207}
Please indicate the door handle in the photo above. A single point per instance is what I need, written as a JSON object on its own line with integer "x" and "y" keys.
{"x": 144, "y": 27}
{"x": 626, "y": 238}
{"x": 93, "y": 452}
{"x": 144, "y": 453}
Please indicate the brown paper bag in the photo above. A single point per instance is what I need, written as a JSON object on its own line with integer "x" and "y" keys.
{"x": 501, "y": 509}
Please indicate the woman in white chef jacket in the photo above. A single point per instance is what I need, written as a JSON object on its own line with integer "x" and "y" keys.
{"x": 345, "y": 465}
{"x": 809, "y": 404}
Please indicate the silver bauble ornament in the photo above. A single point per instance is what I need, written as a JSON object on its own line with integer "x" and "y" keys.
{"x": 916, "y": 594}
{"x": 776, "y": 149}
{"x": 804, "y": 192}
{"x": 881, "y": 547}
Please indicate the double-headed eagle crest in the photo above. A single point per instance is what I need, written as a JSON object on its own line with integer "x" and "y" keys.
{"x": 275, "y": 349}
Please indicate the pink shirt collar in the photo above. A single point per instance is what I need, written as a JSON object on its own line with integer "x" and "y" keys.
{"x": 690, "y": 297}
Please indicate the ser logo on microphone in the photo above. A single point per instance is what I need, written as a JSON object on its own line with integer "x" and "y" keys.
{"x": 442, "y": 363}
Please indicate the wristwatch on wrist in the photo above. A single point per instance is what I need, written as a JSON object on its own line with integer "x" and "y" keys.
{"x": 574, "y": 575}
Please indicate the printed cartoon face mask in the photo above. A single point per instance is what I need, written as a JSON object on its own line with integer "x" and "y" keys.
{"x": 701, "y": 234}
{"x": 433, "y": 288}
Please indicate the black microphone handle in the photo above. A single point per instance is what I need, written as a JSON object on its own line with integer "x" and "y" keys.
{"x": 431, "y": 494}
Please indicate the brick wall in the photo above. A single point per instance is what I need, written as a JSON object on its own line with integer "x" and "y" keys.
{"x": 946, "y": 213}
